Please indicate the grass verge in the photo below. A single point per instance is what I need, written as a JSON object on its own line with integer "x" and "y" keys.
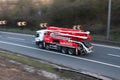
{"x": 45, "y": 66}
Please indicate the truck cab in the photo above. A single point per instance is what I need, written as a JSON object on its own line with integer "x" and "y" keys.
{"x": 39, "y": 36}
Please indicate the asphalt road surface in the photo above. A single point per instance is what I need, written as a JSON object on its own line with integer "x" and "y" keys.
{"x": 105, "y": 60}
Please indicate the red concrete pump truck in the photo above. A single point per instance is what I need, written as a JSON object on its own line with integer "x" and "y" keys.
{"x": 68, "y": 41}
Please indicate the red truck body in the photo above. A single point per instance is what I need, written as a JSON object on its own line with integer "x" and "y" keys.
{"x": 67, "y": 40}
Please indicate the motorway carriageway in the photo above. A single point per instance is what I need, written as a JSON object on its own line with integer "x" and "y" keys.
{"x": 105, "y": 60}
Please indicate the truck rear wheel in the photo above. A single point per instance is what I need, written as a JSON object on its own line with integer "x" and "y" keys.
{"x": 71, "y": 51}
{"x": 82, "y": 52}
{"x": 64, "y": 50}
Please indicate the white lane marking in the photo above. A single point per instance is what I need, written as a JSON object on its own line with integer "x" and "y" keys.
{"x": 89, "y": 60}
{"x": 17, "y": 34}
{"x": 113, "y": 47}
{"x": 16, "y": 38}
{"x": 114, "y": 55}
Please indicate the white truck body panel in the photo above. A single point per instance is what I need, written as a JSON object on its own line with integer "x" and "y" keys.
{"x": 40, "y": 34}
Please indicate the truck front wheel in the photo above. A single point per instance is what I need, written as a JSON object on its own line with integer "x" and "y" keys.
{"x": 40, "y": 45}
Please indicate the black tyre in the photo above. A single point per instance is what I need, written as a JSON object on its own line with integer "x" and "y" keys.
{"x": 64, "y": 50}
{"x": 83, "y": 52}
{"x": 47, "y": 46}
{"x": 71, "y": 51}
{"x": 40, "y": 45}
